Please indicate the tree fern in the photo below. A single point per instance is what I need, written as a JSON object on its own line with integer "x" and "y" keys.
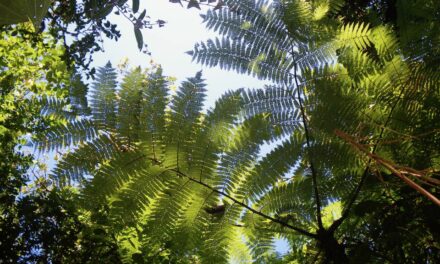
{"x": 196, "y": 182}
{"x": 330, "y": 76}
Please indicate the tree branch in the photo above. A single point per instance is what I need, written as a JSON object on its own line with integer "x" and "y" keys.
{"x": 312, "y": 167}
{"x": 358, "y": 188}
{"x": 389, "y": 165}
{"x": 297, "y": 229}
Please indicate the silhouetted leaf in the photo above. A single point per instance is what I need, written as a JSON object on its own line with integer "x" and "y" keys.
{"x": 176, "y": 1}
{"x": 193, "y": 3}
{"x": 142, "y": 15}
{"x": 135, "y": 6}
{"x": 139, "y": 38}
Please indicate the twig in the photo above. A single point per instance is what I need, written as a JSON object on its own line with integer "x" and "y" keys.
{"x": 358, "y": 188}
{"x": 297, "y": 229}
{"x": 312, "y": 167}
{"x": 389, "y": 166}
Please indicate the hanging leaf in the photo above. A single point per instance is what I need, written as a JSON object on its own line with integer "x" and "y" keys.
{"x": 193, "y": 3}
{"x": 176, "y": 1}
{"x": 142, "y": 15}
{"x": 135, "y": 6}
{"x": 14, "y": 11}
{"x": 139, "y": 38}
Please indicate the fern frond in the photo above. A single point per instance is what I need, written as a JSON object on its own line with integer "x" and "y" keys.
{"x": 355, "y": 35}
{"x": 78, "y": 96}
{"x": 223, "y": 116}
{"x": 293, "y": 200}
{"x": 53, "y": 106}
{"x": 242, "y": 58}
{"x": 104, "y": 100}
{"x": 358, "y": 64}
{"x": 250, "y": 25}
{"x": 239, "y": 251}
{"x": 135, "y": 195}
{"x": 296, "y": 16}
{"x": 114, "y": 175}
{"x": 154, "y": 102}
{"x": 76, "y": 165}
{"x": 184, "y": 124}
{"x": 175, "y": 199}
{"x": 273, "y": 167}
{"x": 232, "y": 26}
{"x": 186, "y": 108}
{"x": 277, "y": 101}
{"x": 71, "y": 134}
{"x": 129, "y": 108}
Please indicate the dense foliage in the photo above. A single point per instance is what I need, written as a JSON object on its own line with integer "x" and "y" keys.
{"x": 30, "y": 77}
{"x": 339, "y": 156}
{"x": 361, "y": 84}
{"x": 38, "y": 221}
{"x": 80, "y": 25}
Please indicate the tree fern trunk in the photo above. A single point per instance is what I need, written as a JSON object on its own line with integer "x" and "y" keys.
{"x": 334, "y": 252}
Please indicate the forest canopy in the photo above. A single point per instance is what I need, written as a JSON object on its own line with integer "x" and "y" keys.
{"x": 338, "y": 155}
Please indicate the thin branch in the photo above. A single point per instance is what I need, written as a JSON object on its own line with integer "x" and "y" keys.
{"x": 312, "y": 167}
{"x": 297, "y": 229}
{"x": 128, "y": 164}
{"x": 358, "y": 188}
{"x": 389, "y": 166}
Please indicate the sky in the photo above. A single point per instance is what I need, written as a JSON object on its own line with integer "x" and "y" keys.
{"x": 168, "y": 45}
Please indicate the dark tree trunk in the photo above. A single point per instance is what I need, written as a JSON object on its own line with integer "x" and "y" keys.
{"x": 334, "y": 252}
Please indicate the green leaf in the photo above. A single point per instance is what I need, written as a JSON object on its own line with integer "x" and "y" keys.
{"x": 13, "y": 11}
{"x": 135, "y": 6}
{"x": 139, "y": 38}
{"x": 142, "y": 15}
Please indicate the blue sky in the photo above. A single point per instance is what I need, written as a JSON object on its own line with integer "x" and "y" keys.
{"x": 168, "y": 46}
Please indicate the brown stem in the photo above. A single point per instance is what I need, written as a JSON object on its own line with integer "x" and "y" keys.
{"x": 356, "y": 192}
{"x": 389, "y": 166}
